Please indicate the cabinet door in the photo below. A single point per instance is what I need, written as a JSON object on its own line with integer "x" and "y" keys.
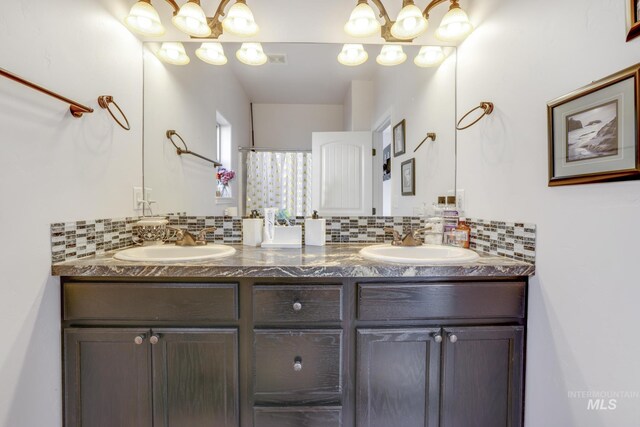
{"x": 482, "y": 376}
{"x": 195, "y": 377}
{"x": 398, "y": 379}
{"x": 107, "y": 379}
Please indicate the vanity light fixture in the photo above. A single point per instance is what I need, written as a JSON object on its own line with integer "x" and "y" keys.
{"x": 251, "y": 54}
{"x": 192, "y": 20}
{"x": 212, "y": 53}
{"x": 455, "y": 24}
{"x": 429, "y": 56}
{"x": 144, "y": 19}
{"x": 391, "y": 55}
{"x": 410, "y": 23}
{"x": 173, "y": 53}
{"x": 363, "y": 21}
{"x": 240, "y": 20}
{"x": 353, "y": 55}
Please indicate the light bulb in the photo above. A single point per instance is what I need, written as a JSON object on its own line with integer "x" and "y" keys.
{"x": 192, "y": 20}
{"x": 173, "y": 53}
{"x": 410, "y": 23}
{"x": 362, "y": 22}
{"x": 212, "y": 53}
{"x": 391, "y": 55}
{"x": 144, "y": 20}
{"x": 240, "y": 21}
{"x": 455, "y": 25}
{"x": 251, "y": 54}
{"x": 353, "y": 55}
{"x": 429, "y": 56}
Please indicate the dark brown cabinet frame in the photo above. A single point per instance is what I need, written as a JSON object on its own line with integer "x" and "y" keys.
{"x": 361, "y": 319}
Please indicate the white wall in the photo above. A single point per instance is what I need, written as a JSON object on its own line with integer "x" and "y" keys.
{"x": 583, "y": 324}
{"x": 186, "y": 99}
{"x": 56, "y": 168}
{"x": 289, "y": 126}
{"x": 425, "y": 99}
{"x": 359, "y": 105}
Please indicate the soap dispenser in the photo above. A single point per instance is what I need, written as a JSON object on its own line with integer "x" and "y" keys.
{"x": 252, "y": 229}
{"x": 315, "y": 229}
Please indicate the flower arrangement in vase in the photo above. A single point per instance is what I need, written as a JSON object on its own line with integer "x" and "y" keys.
{"x": 224, "y": 176}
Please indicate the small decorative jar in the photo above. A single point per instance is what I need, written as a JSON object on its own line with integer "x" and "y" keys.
{"x": 150, "y": 231}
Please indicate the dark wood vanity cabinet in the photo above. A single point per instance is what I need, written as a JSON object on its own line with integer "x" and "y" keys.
{"x": 285, "y": 353}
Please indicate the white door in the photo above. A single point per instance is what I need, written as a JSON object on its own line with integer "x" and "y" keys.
{"x": 342, "y": 175}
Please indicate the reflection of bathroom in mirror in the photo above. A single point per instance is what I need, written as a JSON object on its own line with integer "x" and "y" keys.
{"x": 299, "y": 132}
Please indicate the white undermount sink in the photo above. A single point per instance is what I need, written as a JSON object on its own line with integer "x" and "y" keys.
{"x": 173, "y": 253}
{"x": 419, "y": 255}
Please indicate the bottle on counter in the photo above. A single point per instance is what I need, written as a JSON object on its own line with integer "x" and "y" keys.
{"x": 462, "y": 235}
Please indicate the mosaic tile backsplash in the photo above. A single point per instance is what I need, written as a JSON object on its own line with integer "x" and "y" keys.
{"x": 73, "y": 240}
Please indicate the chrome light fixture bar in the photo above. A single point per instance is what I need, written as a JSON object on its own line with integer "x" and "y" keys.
{"x": 410, "y": 22}
{"x": 192, "y": 20}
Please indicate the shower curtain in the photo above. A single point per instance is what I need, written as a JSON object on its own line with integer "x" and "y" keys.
{"x": 279, "y": 180}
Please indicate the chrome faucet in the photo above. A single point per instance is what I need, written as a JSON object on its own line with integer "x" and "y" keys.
{"x": 409, "y": 239}
{"x": 185, "y": 238}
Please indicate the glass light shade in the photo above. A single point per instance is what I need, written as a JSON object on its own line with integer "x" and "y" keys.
{"x": 410, "y": 23}
{"x": 192, "y": 20}
{"x": 455, "y": 25}
{"x": 144, "y": 19}
{"x": 363, "y": 22}
{"x": 391, "y": 55}
{"x": 212, "y": 53}
{"x": 429, "y": 56}
{"x": 173, "y": 53}
{"x": 251, "y": 54}
{"x": 353, "y": 55}
{"x": 240, "y": 21}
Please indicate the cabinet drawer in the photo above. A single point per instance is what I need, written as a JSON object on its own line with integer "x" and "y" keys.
{"x": 304, "y": 416}
{"x": 301, "y": 366}
{"x": 380, "y": 301}
{"x": 151, "y": 301}
{"x": 297, "y": 303}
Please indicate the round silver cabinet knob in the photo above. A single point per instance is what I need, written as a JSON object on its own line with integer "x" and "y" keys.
{"x": 297, "y": 306}
{"x": 437, "y": 338}
{"x": 452, "y": 338}
{"x": 154, "y": 339}
{"x": 297, "y": 365}
{"x": 139, "y": 339}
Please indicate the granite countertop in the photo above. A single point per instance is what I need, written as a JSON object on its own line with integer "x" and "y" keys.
{"x": 338, "y": 260}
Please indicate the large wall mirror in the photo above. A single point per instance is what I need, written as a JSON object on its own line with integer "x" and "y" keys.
{"x": 299, "y": 132}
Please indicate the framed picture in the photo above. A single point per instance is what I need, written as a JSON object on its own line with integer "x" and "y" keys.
{"x": 593, "y": 132}
{"x": 398, "y": 139}
{"x": 386, "y": 163}
{"x": 634, "y": 19}
{"x": 408, "y": 181}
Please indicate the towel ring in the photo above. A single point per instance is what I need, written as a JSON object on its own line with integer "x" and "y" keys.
{"x": 104, "y": 101}
{"x": 484, "y": 105}
{"x": 170, "y": 135}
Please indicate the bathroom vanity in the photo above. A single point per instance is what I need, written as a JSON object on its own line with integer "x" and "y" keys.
{"x": 317, "y": 337}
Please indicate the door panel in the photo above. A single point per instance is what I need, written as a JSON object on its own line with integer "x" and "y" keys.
{"x": 195, "y": 377}
{"x": 398, "y": 377}
{"x": 482, "y": 376}
{"x": 342, "y": 173}
{"x": 107, "y": 378}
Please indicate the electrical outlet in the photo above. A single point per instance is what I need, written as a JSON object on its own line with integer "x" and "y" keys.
{"x": 460, "y": 202}
{"x": 138, "y": 197}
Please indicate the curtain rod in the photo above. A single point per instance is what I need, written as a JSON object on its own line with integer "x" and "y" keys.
{"x": 275, "y": 150}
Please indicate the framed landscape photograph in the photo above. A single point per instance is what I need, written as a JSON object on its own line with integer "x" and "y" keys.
{"x": 593, "y": 132}
{"x": 408, "y": 177}
{"x": 634, "y": 19}
{"x": 398, "y": 139}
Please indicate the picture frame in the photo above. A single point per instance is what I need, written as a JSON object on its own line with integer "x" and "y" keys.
{"x": 633, "y": 20}
{"x": 386, "y": 163}
{"x": 594, "y": 133}
{"x": 399, "y": 142}
{"x": 408, "y": 177}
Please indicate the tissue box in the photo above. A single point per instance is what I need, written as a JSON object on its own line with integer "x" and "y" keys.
{"x": 285, "y": 238}
{"x": 315, "y": 232}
